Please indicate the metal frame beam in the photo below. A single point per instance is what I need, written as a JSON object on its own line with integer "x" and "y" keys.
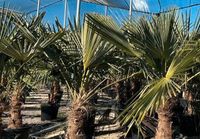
{"x": 130, "y": 8}
{"x": 78, "y": 6}
{"x": 65, "y": 13}
{"x": 106, "y": 10}
{"x": 38, "y": 7}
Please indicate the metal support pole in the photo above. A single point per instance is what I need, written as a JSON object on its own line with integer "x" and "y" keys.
{"x": 65, "y": 13}
{"x": 106, "y": 10}
{"x": 38, "y": 7}
{"x": 78, "y": 11}
{"x": 130, "y": 8}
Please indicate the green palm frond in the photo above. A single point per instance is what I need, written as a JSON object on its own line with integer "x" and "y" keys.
{"x": 6, "y": 30}
{"x": 111, "y": 32}
{"x": 184, "y": 59}
{"x": 167, "y": 54}
{"x": 6, "y": 23}
{"x": 27, "y": 42}
{"x": 155, "y": 93}
{"x": 94, "y": 47}
{"x": 157, "y": 39}
{"x": 180, "y": 57}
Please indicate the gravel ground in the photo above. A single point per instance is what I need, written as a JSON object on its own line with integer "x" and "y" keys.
{"x": 31, "y": 115}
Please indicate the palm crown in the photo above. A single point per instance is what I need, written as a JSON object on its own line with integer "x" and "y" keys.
{"x": 165, "y": 52}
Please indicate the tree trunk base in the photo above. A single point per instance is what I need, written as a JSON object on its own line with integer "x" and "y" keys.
{"x": 164, "y": 129}
{"x": 165, "y": 114}
{"x": 15, "y": 120}
{"x": 1, "y": 128}
{"x": 77, "y": 117}
{"x": 80, "y": 122}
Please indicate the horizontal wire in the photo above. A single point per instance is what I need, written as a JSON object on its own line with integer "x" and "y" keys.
{"x": 134, "y": 10}
{"x": 181, "y": 8}
{"x": 45, "y": 6}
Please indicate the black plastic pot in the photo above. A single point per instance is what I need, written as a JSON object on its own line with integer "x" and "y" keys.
{"x": 89, "y": 127}
{"x": 49, "y": 111}
{"x": 19, "y": 133}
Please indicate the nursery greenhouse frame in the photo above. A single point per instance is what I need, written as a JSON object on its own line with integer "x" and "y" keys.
{"x": 31, "y": 6}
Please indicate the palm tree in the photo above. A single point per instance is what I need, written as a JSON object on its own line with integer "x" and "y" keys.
{"x": 166, "y": 52}
{"x": 25, "y": 44}
{"x": 5, "y": 32}
{"x": 81, "y": 57}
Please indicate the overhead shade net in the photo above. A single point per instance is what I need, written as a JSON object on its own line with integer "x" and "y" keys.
{"x": 55, "y": 8}
{"x": 26, "y": 6}
{"x": 122, "y": 4}
{"x": 147, "y": 5}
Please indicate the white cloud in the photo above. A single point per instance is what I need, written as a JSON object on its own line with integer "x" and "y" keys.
{"x": 141, "y": 5}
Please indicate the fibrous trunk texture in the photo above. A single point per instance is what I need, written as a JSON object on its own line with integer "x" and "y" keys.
{"x": 80, "y": 121}
{"x": 165, "y": 113}
{"x": 187, "y": 95}
{"x": 126, "y": 90}
{"x": 1, "y": 112}
{"x": 3, "y": 83}
{"x": 15, "y": 120}
{"x": 164, "y": 129}
{"x": 56, "y": 93}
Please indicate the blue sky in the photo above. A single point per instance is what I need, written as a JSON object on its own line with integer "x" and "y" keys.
{"x": 57, "y": 9}
{"x": 150, "y": 5}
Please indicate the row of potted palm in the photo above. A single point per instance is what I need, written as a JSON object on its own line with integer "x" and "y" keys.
{"x": 22, "y": 41}
{"x": 164, "y": 47}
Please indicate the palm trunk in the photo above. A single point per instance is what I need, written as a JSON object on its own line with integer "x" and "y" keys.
{"x": 56, "y": 93}
{"x": 187, "y": 95}
{"x": 77, "y": 121}
{"x": 1, "y": 112}
{"x": 164, "y": 129}
{"x": 15, "y": 120}
{"x": 3, "y": 84}
{"x": 165, "y": 113}
{"x": 119, "y": 87}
